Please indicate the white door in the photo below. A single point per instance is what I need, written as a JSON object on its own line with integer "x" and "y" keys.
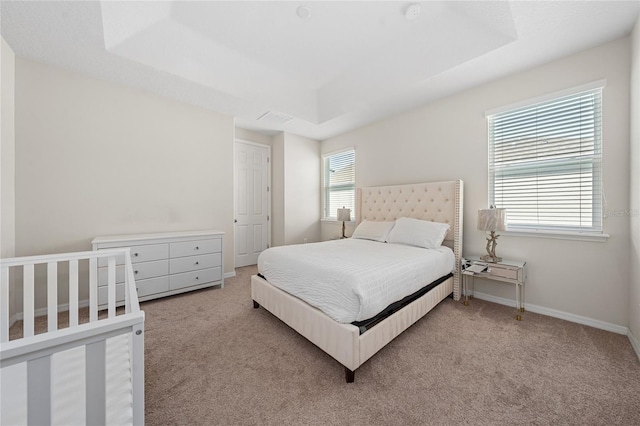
{"x": 252, "y": 168}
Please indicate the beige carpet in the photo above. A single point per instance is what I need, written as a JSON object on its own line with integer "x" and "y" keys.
{"x": 211, "y": 359}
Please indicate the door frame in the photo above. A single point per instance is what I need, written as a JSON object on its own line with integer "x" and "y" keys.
{"x": 235, "y": 191}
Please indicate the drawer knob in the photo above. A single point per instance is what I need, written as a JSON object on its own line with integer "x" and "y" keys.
{"x": 197, "y": 248}
{"x": 135, "y": 272}
{"x": 197, "y": 263}
{"x": 197, "y": 278}
{"x": 135, "y": 254}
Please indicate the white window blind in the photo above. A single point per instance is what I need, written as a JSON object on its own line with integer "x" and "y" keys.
{"x": 339, "y": 182}
{"x": 545, "y": 164}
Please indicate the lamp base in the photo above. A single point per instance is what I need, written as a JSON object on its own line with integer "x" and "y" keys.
{"x": 491, "y": 259}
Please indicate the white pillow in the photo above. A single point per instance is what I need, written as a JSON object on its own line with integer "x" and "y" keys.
{"x": 419, "y": 233}
{"x": 371, "y": 230}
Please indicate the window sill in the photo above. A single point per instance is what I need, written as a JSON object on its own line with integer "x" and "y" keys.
{"x": 577, "y": 236}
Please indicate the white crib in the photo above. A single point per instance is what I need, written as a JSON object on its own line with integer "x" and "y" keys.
{"x": 91, "y": 372}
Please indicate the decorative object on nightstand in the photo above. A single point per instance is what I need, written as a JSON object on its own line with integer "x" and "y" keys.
{"x": 344, "y": 215}
{"x": 492, "y": 220}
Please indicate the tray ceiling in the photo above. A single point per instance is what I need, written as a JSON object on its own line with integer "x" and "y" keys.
{"x": 348, "y": 63}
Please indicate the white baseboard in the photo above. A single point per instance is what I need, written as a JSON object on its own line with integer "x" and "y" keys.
{"x": 12, "y": 320}
{"x": 43, "y": 311}
{"x": 634, "y": 343}
{"x": 557, "y": 314}
{"x": 65, "y": 306}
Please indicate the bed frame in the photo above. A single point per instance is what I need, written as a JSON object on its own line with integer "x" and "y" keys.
{"x": 436, "y": 201}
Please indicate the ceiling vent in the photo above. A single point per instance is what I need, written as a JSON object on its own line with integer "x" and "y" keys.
{"x": 273, "y": 117}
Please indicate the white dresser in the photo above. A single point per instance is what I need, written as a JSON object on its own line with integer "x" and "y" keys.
{"x": 164, "y": 264}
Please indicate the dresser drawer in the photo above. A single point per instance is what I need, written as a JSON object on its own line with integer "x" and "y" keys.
{"x": 189, "y": 279}
{"x": 144, "y": 288}
{"x": 503, "y": 272}
{"x": 103, "y": 294}
{"x": 141, "y": 271}
{"x": 103, "y": 274}
{"x": 190, "y": 248}
{"x": 152, "y": 286}
{"x": 144, "y": 253}
{"x": 193, "y": 263}
{"x": 149, "y": 252}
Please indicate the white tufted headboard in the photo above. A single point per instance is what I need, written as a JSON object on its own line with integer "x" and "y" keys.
{"x": 434, "y": 201}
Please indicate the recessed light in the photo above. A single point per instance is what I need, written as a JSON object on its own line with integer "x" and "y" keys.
{"x": 413, "y": 11}
{"x": 303, "y": 12}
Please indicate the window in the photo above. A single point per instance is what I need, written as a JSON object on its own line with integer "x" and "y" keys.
{"x": 339, "y": 170}
{"x": 545, "y": 163}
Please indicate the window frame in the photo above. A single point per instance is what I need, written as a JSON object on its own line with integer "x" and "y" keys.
{"x": 596, "y": 231}
{"x": 328, "y": 189}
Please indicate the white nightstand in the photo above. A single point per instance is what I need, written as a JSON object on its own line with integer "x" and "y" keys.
{"x": 508, "y": 271}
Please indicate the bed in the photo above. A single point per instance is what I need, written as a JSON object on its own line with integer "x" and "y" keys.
{"x": 349, "y": 343}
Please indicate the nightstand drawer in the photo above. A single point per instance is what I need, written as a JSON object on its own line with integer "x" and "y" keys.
{"x": 512, "y": 274}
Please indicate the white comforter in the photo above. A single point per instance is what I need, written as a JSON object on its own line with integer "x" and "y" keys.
{"x": 352, "y": 279}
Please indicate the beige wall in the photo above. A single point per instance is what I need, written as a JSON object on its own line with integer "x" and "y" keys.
{"x": 295, "y": 196}
{"x": 251, "y": 136}
{"x": 97, "y": 158}
{"x": 447, "y": 139}
{"x": 634, "y": 293}
{"x": 277, "y": 191}
{"x": 301, "y": 192}
{"x": 7, "y": 159}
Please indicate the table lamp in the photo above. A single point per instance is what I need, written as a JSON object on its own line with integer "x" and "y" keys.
{"x": 344, "y": 215}
{"x": 492, "y": 220}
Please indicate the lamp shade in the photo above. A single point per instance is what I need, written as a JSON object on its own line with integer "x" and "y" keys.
{"x": 344, "y": 215}
{"x": 492, "y": 219}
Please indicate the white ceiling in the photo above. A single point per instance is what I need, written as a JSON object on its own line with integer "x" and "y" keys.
{"x": 348, "y": 64}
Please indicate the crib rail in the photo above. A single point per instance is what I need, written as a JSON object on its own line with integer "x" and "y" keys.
{"x": 103, "y": 356}
{"x": 28, "y": 264}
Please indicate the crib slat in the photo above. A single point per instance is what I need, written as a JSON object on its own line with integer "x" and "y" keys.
{"x": 93, "y": 289}
{"x": 137, "y": 372}
{"x": 111, "y": 289}
{"x": 39, "y": 391}
{"x": 28, "y": 311}
{"x": 4, "y": 304}
{"x": 73, "y": 293}
{"x": 128, "y": 282}
{"x": 52, "y": 295}
{"x": 95, "y": 356}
